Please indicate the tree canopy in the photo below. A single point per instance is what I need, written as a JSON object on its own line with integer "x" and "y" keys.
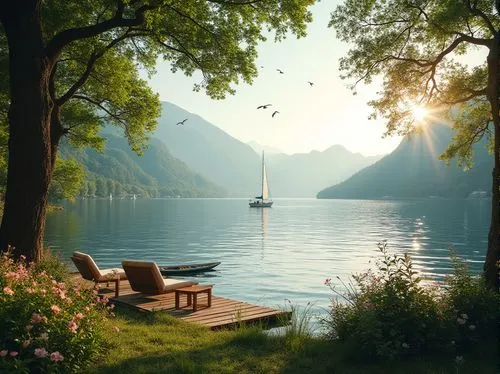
{"x": 418, "y": 47}
{"x": 66, "y": 68}
{"x": 423, "y": 50}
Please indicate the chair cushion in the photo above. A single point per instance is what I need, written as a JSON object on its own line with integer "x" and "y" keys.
{"x": 172, "y": 284}
{"x": 113, "y": 273}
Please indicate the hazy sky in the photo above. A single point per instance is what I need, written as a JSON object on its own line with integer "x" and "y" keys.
{"x": 310, "y": 117}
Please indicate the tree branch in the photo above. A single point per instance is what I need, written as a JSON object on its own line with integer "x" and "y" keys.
{"x": 90, "y": 65}
{"x": 479, "y": 13}
{"x": 100, "y": 106}
{"x": 59, "y": 41}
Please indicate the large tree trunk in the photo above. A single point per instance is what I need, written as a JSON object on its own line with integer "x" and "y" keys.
{"x": 492, "y": 263}
{"x": 30, "y": 149}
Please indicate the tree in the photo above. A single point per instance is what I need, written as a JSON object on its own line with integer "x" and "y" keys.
{"x": 67, "y": 180}
{"x": 73, "y": 65}
{"x": 415, "y": 46}
{"x": 101, "y": 188}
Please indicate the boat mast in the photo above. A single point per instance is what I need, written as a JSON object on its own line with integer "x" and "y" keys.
{"x": 263, "y": 177}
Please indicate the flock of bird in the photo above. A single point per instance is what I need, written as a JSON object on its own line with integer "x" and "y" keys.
{"x": 264, "y": 106}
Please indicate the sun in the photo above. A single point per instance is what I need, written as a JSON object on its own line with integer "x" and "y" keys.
{"x": 419, "y": 112}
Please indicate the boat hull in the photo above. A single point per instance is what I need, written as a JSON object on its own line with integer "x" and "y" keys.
{"x": 187, "y": 269}
{"x": 260, "y": 204}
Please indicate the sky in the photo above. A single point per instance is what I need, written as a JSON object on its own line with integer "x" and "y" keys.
{"x": 310, "y": 118}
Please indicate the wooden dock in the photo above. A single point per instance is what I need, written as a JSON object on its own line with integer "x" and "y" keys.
{"x": 224, "y": 312}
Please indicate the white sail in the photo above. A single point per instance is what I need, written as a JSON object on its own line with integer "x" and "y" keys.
{"x": 265, "y": 187}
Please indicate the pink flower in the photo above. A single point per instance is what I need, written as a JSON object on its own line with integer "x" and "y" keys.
{"x": 56, "y": 356}
{"x": 79, "y": 316}
{"x": 30, "y": 290}
{"x": 41, "y": 352}
{"x": 8, "y": 291}
{"x": 26, "y": 343}
{"x": 55, "y": 309}
{"x": 12, "y": 275}
{"x": 36, "y": 318}
{"x": 3, "y": 353}
{"x": 13, "y": 353}
{"x": 28, "y": 327}
{"x": 72, "y": 326}
{"x": 22, "y": 257}
{"x": 328, "y": 281}
{"x": 44, "y": 336}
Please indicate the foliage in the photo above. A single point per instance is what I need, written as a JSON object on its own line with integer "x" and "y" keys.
{"x": 389, "y": 314}
{"x": 67, "y": 180}
{"x": 416, "y": 47}
{"x": 299, "y": 330}
{"x": 472, "y": 308}
{"x": 51, "y": 263}
{"x": 46, "y": 325}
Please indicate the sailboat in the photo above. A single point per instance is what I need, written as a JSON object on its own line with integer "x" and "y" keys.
{"x": 262, "y": 201}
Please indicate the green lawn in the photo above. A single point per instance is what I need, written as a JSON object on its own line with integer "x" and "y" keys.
{"x": 158, "y": 343}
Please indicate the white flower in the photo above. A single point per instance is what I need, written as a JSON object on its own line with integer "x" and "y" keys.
{"x": 472, "y": 327}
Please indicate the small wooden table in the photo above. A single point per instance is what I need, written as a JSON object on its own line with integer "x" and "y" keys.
{"x": 192, "y": 295}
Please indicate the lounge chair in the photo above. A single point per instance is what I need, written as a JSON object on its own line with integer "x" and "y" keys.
{"x": 90, "y": 271}
{"x": 145, "y": 277}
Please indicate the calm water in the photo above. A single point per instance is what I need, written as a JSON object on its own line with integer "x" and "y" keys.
{"x": 269, "y": 255}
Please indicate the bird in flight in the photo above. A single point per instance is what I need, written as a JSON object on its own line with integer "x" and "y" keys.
{"x": 263, "y": 106}
{"x": 182, "y": 122}
{"x": 310, "y": 83}
{"x": 280, "y": 71}
{"x": 274, "y": 113}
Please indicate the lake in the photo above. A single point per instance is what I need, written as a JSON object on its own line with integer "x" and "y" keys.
{"x": 271, "y": 255}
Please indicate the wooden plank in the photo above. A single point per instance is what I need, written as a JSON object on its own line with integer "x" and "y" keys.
{"x": 224, "y": 312}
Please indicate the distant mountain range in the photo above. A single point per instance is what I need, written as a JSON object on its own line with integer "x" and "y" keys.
{"x": 413, "y": 170}
{"x": 304, "y": 174}
{"x": 235, "y": 166}
{"x": 267, "y": 149}
{"x": 120, "y": 171}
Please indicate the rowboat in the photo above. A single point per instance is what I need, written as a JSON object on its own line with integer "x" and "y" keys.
{"x": 187, "y": 269}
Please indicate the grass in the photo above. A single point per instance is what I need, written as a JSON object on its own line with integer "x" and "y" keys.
{"x": 158, "y": 343}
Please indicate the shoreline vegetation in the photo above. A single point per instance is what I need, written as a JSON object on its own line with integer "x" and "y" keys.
{"x": 367, "y": 328}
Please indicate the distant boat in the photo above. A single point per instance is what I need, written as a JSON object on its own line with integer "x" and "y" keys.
{"x": 262, "y": 201}
{"x": 187, "y": 269}
{"x": 110, "y": 197}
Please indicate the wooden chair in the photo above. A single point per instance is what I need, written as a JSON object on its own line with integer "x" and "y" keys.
{"x": 145, "y": 277}
{"x": 90, "y": 271}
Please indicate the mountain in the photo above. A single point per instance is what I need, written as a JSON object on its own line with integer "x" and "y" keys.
{"x": 258, "y": 148}
{"x": 304, "y": 174}
{"x": 234, "y": 165}
{"x": 156, "y": 173}
{"x": 413, "y": 170}
{"x": 209, "y": 151}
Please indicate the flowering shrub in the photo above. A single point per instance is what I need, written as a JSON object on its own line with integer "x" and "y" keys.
{"x": 388, "y": 313}
{"x": 46, "y": 325}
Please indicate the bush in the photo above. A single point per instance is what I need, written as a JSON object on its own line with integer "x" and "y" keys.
{"x": 473, "y": 308}
{"x": 46, "y": 325}
{"x": 389, "y": 314}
